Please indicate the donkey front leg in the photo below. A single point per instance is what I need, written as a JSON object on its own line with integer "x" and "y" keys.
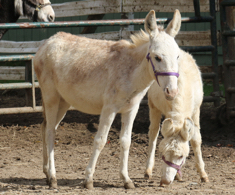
{"x": 196, "y": 142}
{"x": 196, "y": 145}
{"x": 155, "y": 119}
{"x": 125, "y": 142}
{"x": 106, "y": 118}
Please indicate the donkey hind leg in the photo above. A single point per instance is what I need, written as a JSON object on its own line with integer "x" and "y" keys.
{"x": 63, "y": 107}
{"x": 125, "y": 142}
{"x": 107, "y": 116}
{"x": 53, "y": 115}
{"x": 154, "y": 128}
{"x": 196, "y": 145}
{"x": 45, "y": 156}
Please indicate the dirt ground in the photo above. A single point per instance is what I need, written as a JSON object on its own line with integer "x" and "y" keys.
{"x": 21, "y": 155}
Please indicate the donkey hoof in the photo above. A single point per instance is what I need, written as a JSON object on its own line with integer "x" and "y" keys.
{"x": 47, "y": 181}
{"x": 147, "y": 176}
{"x": 205, "y": 179}
{"x": 53, "y": 184}
{"x": 129, "y": 185}
{"x": 88, "y": 185}
{"x": 177, "y": 177}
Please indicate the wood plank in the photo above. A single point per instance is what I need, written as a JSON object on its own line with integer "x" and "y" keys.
{"x": 12, "y": 73}
{"x": 89, "y": 7}
{"x": 163, "y": 5}
{"x": 184, "y": 38}
{"x": 195, "y": 38}
{"x": 19, "y": 47}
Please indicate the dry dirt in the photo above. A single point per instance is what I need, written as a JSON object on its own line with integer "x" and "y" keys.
{"x": 21, "y": 155}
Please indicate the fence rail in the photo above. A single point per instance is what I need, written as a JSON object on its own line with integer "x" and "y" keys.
{"x": 119, "y": 6}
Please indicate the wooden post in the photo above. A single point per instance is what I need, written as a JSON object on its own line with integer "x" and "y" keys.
{"x": 29, "y": 77}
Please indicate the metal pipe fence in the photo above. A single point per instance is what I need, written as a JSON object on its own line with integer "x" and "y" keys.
{"x": 30, "y": 83}
{"x": 227, "y": 31}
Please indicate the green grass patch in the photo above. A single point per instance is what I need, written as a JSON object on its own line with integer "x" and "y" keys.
{"x": 208, "y": 88}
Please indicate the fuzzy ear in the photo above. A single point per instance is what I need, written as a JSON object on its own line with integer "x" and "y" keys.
{"x": 167, "y": 128}
{"x": 150, "y": 24}
{"x": 188, "y": 129}
{"x": 175, "y": 24}
{"x": 19, "y": 7}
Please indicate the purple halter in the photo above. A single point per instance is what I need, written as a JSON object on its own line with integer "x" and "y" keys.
{"x": 160, "y": 73}
{"x": 177, "y": 167}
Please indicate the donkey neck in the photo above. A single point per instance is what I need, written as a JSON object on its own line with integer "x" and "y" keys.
{"x": 142, "y": 77}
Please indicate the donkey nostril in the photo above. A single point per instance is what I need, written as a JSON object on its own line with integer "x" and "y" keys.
{"x": 165, "y": 182}
{"x": 167, "y": 90}
{"x": 51, "y": 18}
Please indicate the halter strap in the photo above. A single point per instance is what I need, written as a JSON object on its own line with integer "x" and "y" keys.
{"x": 160, "y": 73}
{"x": 37, "y": 8}
{"x": 177, "y": 167}
{"x": 40, "y": 6}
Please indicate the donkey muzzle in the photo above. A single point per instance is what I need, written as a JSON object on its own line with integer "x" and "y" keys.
{"x": 170, "y": 93}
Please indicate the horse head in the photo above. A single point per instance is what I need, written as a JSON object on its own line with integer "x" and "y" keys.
{"x": 164, "y": 52}
{"x": 36, "y": 10}
{"x": 174, "y": 148}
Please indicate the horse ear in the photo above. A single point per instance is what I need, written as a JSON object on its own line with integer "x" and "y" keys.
{"x": 175, "y": 24}
{"x": 150, "y": 24}
{"x": 187, "y": 131}
{"x": 167, "y": 129}
{"x": 19, "y": 7}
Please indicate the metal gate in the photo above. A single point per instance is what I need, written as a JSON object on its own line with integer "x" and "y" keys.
{"x": 30, "y": 83}
{"x": 228, "y": 43}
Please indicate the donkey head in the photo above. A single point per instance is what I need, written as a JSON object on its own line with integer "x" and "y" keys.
{"x": 174, "y": 148}
{"x": 164, "y": 52}
{"x": 36, "y": 10}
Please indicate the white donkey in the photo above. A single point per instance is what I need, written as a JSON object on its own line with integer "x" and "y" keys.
{"x": 182, "y": 119}
{"x": 102, "y": 77}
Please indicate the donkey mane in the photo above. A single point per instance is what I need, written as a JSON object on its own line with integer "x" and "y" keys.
{"x": 138, "y": 39}
{"x": 141, "y": 37}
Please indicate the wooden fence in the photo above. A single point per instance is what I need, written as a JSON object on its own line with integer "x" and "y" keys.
{"x": 89, "y": 7}
{"x": 125, "y": 7}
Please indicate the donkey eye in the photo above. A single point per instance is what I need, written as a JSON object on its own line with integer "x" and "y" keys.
{"x": 158, "y": 59}
{"x": 181, "y": 157}
{"x": 178, "y": 57}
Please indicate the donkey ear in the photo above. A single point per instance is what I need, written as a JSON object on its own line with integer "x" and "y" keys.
{"x": 175, "y": 24}
{"x": 150, "y": 24}
{"x": 167, "y": 128}
{"x": 187, "y": 131}
{"x": 19, "y": 7}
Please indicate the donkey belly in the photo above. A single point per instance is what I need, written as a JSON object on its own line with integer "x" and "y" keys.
{"x": 83, "y": 98}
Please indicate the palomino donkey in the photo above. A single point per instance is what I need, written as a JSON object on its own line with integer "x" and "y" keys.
{"x": 182, "y": 120}
{"x": 106, "y": 78}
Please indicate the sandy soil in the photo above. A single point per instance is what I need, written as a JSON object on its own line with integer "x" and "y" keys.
{"x": 21, "y": 155}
